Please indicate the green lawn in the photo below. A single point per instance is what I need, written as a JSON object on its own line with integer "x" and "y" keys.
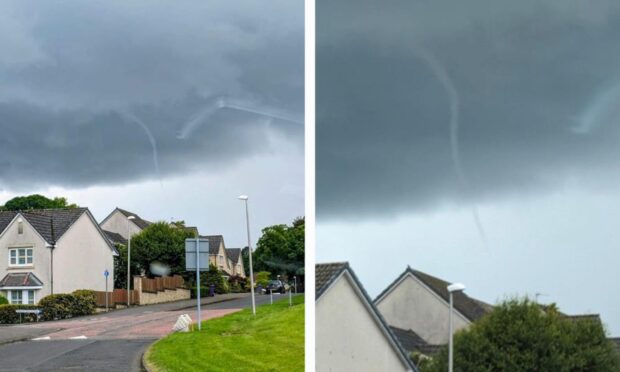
{"x": 271, "y": 341}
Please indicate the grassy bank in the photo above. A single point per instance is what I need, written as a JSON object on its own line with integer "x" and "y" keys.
{"x": 271, "y": 341}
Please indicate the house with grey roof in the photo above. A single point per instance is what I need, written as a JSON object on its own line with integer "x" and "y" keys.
{"x": 218, "y": 255}
{"x": 418, "y": 303}
{"x": 117, "y": 224}
{"x": 236, "y": 261}
{"x": 52, "y": 251}
{"x": 353, "y": 335}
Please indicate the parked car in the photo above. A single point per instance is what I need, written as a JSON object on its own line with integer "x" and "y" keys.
{"x": 275, "y": 286}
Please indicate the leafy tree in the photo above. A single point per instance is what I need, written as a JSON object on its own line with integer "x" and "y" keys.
{"x": 36, "y": 201}
{"x": 120, "y": 266}
{"x": 280, "y": 249}
{"x": 160, "y": 242}
{"x": 520, "y": 335}
{"x": 245, "y": 256}
{"x": 262, "y": 278}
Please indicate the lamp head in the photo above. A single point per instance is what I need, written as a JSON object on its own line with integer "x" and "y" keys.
{"x": 243, "y": 197}
{"x": 131, "y": 217}
{"x": 456, "y": 287}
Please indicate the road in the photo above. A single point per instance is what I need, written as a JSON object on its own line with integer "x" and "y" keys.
{"x": 112, "y": 341}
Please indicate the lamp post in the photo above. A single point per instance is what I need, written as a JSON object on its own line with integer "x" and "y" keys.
{"x": 247, "y": 220}
{"x": 455, "y": 287}
{"x": 129, "y": 218}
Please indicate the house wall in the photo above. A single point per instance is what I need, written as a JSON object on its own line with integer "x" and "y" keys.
{"x": 349, "y": 338}
{"x": 117, "y": 223}
{"x": 411, "y": 305}
{"x": 41, "y": 255}
{"x": 80, "y": 258}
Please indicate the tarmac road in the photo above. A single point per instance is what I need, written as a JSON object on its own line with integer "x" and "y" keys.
{"x": 113, "y": 341}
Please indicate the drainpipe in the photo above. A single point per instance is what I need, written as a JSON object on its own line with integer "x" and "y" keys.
{"x": 52, "y": 247}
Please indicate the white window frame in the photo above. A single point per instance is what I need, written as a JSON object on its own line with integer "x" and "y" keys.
{"x": 25, "y": 296}
{"x": 16, "y": 250}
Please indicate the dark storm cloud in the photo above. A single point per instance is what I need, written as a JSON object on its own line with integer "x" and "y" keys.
{"x": 100, "y": 92}
{"x": 537, "y": 86}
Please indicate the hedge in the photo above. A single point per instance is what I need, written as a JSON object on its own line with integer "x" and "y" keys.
{"x": 8, "y": 315}
{"x": 3, "y": 300}
{"x": 65, "y": 305}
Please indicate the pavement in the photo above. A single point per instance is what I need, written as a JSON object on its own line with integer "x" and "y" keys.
{"x": 106, "y": 341}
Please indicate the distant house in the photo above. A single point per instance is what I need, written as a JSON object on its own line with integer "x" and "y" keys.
{"x": 353, "y": 335}
{"x": 30, "y": 269}
{"x": 236, "y": 261}
{"x": 218, "y": 254}
{"x": 118, "y": 224}
{"x": 426, "y": 296}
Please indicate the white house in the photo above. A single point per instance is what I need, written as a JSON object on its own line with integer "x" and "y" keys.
{"x": 418, "y": 303}
{"x": 52, "y": 251}
{"x": 353, "y": 336}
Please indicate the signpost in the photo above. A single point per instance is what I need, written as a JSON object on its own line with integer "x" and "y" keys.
{"x": 106, "y": 273}
{"x": 197, "y": 258}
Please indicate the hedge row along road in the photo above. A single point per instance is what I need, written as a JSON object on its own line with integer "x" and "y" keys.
{"x": 104, "y": 342}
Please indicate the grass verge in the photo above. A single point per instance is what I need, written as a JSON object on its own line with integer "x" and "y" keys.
{"x": 271, "y": 341}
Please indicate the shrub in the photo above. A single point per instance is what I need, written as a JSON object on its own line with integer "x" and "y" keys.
{"x": 58, "y": 306}
{"x": 85, "y": 302}
{"x": 214, "y": 276}
{"x": 204, "y": 292}
{"x": 8, "y": 314}
{"x": 237, "y": 284}
{"x": 3, "y": 300}
{"x": 262, "y": 278}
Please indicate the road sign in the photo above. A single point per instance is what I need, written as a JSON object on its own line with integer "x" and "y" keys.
{"x": 197, "y": 258}
{"x": 106, "y": 273}
{"x": 190, "y": 254}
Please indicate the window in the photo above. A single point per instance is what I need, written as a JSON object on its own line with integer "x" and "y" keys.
{"x": 20, "y": 256}
{"x": 20, "y": 227}
{"x": 30, "y": 297}
{"x": 16, "y": 297}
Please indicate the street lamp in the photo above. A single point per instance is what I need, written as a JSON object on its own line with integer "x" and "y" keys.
{"x": 455, "y": 287}
{"x": 247, "y": 220}
{"x": 129, "y": 218}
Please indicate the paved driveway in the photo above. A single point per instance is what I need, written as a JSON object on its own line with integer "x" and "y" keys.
{"x": 112, "y": 341}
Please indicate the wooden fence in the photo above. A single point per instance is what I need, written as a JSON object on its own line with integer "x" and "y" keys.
{"x": 119, "y": 296}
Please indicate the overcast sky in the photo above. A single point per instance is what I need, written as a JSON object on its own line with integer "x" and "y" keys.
{"x": 165, "y": 110}
{"x": 476, "y": 141}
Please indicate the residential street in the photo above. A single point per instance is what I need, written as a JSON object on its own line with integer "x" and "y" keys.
{"x": 113, "y": 341}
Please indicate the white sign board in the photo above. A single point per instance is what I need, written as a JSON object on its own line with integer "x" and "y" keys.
{"x": 190, "y": 254}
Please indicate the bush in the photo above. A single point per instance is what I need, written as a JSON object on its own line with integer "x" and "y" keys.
{"x": 214, "y": 276}
{"x": 237, "y": 284}
{"x": 204, "y": 292}
{"x": 3, "y": 300}
{"x": 85, "y": 302}
{"x": 262, "y": 278}
{"x": 8, "y": 315}
{"x": 58, "y": 306}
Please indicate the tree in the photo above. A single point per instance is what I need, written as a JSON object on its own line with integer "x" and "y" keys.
{"x": 214, "y": 276}
{"x": 280, "y": 249}
{"x": 120, "y": 266}
{"x": 245, "y": 256}
{"x": 160, "y": 242}
{"x": 520, "y": 335}
{"x": 36, "y": 201}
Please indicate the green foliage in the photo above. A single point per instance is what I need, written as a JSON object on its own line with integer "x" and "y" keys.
{"x": 160, "y": 242}
{"x": 237, "y": 284}
{"x": 57, "y": 306}
{"x": 120, "y": 266}
{"x": 8, "y": 314}
{"x": 215, "y": 277}
{"x": 273, "y": 340}
{"x": 3, "y": 300}
{"x": 281, "y": 250}
{"x": 262, "y": 278}
{"x": 85, "y": 302}
{"x": 520, "y": 335}
{"x": 36, "y": 201}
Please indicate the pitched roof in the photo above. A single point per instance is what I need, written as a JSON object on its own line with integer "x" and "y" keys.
{"x": 20, "y": 280}
{"x": 327, "y": 273}
{"x": 411, "y": 341}
{"x": 115, "y": 238}
{"x": 41, "y": 220}
{"x": 471, "y": 308}
{"x": 234, "y": 254}
{"x": 214, "y": 242}
{"x": 138, "y": 221}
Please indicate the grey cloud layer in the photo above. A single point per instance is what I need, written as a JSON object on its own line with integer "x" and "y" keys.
{"x": 538, "y": 86}
{"x": 73, "y": 77}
